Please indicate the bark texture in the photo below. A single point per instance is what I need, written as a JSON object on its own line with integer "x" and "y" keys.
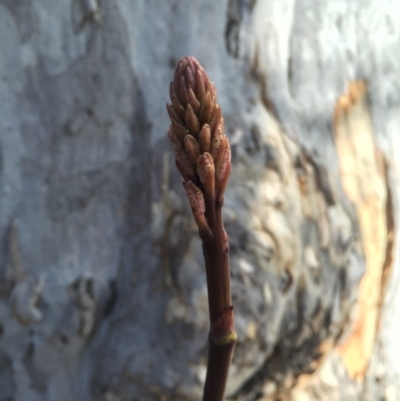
{"x": 102, "y": 281}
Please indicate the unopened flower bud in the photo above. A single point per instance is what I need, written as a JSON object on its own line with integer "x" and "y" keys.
{"x": 219, "y": 154}
{"x": 195, "y": 197}
{"x": 226, "y": 159}
{"x": 205, "y": 138}
{"x": 206, "y": 109}
{"x": 215, "y": 143}
{"x": 200, "y": 88}
{"x": 173, "y": 114}
{"x": 206, "y": 172}
{"x": 179, "y": 130}
{"x": 192, "y": 149}
{"x": 185, "y": 166}
{"x": 192, "y": 121}
{"x": 190, "y": 77}
{"x": 196, "y": 201}
{"x": 193, "y": 100}
{"x": 197, "y": 130}
{"x": 216, "y": 118}
{"x": 183, "y": 92}
{"x": 222, "y": 185}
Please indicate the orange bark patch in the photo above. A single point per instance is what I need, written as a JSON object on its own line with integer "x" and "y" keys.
{"x": 363, "y": 174}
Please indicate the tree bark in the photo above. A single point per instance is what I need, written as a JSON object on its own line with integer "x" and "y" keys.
{"x": 102, "y": 280}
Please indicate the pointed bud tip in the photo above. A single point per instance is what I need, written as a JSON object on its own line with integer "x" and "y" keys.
{"x": 194, "y": 76}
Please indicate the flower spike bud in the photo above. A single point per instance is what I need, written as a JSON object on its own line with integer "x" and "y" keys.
{"x": 177, "y": 82}
{"x": 210, "y": 87}
{"x": 195, "y": 197}
{"x": 216, "y": 118}
{"x": 183, "y": 91}
{"x": 179, "y": 130}
{"x": 206, "y": 109}
{"x": 172, "y": 95}
{"x": 220, "y": 127}
{"x": 219, "y": 155}
{"x": 190, "y": 77}
{"x": 192, "y": 149}
{"x": 185, "y": 167}
{"x": 178, "y": 108}
{"x": 205, "y": 138}
{"x": 197, "y": 129}
{"x": 193, "y": 64}
{"x": 200, "y": 88}
{"x": 183, "y": 172}
{"x": 215, "y": 142}
{"x": 203, "y": 155}
{"x": 172, "y": 113}
{"x": 226, "y": 159}
{"x": 193, "y": 101}
{"x": 174, "y": 138}
{"x": 222, "y": 186}
{"x": 192, "y": 121}
{"x": 196, "y": 201}
{"x": 206, "y": 172}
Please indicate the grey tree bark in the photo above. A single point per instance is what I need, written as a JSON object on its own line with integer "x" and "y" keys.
{"x": 102, "y": 283}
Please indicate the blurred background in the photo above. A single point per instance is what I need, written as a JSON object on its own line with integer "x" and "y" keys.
{"x": 102, "y": 284}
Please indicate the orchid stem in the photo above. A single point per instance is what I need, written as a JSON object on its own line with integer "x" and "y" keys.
{"x": 203, "y": 157}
